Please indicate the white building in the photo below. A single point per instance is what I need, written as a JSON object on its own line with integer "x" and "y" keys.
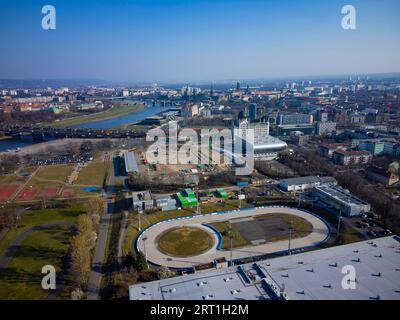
{"x": 342, "y": 200}
{"x": 305, "y": 183}
{"x": 314, "y": 275}
{"x": 265, "y": 146}
{"x": 325, "y": 128}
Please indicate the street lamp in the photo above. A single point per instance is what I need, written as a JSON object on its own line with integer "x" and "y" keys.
{"x": 339, "y": 219}
{"x": 290, "y": 236}
{"x": 138, "y": 212}
{"x": 231, "y": 244}
{"x": 145, "y": 251}
{"x": 241, "y": 197}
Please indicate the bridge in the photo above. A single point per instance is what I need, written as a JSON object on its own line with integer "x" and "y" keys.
{"x": 41, "y": 133}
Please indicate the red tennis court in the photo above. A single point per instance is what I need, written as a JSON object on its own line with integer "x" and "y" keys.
{"x": 28, "y": 194}
{"x": 49, "y": 192}
{"x": 7, "y": 191}
{"x": 68, "y": 193}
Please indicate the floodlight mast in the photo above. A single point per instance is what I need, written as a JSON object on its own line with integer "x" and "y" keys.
{"x": 145, "y": 251}
{"x": 231, "y": 243}
{"x": 339, "y": 219}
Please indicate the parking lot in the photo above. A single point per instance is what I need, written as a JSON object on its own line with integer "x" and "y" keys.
{"x": 61, "y": 159}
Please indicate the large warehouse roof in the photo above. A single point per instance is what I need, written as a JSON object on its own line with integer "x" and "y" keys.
{"x": 307, "y": 276}
{"x": 308, "y": 180}
{"x": 130, "y": 162}
{"x": 340, "y": 195}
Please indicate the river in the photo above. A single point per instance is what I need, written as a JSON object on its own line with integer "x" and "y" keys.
{"x": 123, "y": 119}
{"x": 13, "y": 144}
{"x": 98, "y": 124}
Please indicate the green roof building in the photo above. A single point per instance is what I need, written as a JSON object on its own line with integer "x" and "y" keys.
{"x": 222, "y": 193}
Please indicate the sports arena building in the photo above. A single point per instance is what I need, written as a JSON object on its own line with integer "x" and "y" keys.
{"x": 265, "y": 146}
{"x": 367, "y": 270}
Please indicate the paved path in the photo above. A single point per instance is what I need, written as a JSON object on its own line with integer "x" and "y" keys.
{"x": 23, "y": 186}
{"x": 124, "y": 226}
{"x": 154, "y": 255}
{"x": 93, "y": 292}
{"x": 7, "y": 256}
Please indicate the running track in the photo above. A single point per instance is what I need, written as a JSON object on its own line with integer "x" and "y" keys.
{"x": 319, "y": 234}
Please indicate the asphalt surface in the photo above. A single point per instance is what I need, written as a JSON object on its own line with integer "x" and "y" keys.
{"x": 93, "y": 292}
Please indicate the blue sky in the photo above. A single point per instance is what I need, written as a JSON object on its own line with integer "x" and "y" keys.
{"x": 176, "y": 40}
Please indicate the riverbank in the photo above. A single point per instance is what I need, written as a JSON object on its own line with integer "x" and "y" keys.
{"x": 104, "y": 115}
{"x": 43, "y": 147}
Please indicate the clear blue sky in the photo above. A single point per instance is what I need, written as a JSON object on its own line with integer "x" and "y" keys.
{"x": 176, "y": 40}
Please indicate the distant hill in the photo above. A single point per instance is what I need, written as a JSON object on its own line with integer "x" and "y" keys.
{"x": 38, "y": 83}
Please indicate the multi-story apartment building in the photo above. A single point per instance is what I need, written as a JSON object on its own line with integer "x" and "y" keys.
{"x": 351, "y": 157}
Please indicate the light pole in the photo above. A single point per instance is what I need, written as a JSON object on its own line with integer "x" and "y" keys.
{"x": 339, "y": 218}
{"x": 145, "y": 251}
{"x": 290, "y": 236}
{"x": 298, "y": 205}
{"x": 198, "y": 203}
{"x": 240, "y": 197}
{"x": 138, "y": 212}
{"x": 231, "y": 243}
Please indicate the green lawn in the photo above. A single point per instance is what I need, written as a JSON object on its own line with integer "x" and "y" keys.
{"x": 36, "y": 217}
{"x": 237, "y": 240}
{"x": 152, "y": 218}
{"x": 227, "y": 205}
{"x": 55, "y": 172}
{"x": 110, "y": 113}
{"x": 185, "y": 241}
{"x": 22, "y": 277}
{"x": 147, "y": 220}
{"x": 93, "y": 174}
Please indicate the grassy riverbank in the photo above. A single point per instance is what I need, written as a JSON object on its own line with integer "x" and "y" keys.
{"x": 110, "y": 113}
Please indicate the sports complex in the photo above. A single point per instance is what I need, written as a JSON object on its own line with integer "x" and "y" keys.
{"x": 185, "y": 242}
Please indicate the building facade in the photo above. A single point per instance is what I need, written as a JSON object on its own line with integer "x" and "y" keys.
{"x": 351, "y": 157}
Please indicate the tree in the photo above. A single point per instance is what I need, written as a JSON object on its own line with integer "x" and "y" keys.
{"x": 77, "y": 294}
{"x": 129, "y": 262}
{"x": 164, "y": 273}
{"x": 95, "y": 208}
{"x": 80, "y": 260}
{"x": 141, "y": 263}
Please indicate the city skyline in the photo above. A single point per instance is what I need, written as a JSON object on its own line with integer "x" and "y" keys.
{"x": 152, "y": 41}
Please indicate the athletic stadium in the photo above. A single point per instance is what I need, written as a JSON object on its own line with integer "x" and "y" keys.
{"x": 184, "y": 243}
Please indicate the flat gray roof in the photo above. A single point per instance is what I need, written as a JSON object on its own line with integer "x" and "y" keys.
{"x": 130, "y": 162}
{"x": 307, "y": 276}
{"x": 308, "y": 179}
{"x": 341, "y": 195}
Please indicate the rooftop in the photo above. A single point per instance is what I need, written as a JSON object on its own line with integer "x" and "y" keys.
{"x": 333, "y": 145}
{"x": 307, "y": 276}
{"x": 353, "y": 152}
{"x": 308, "y": 179}
{"x": 341, "y": 195}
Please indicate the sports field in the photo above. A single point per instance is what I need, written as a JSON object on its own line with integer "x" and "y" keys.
{"x": 185, "y": 242}
{"x": 255, "y": 232}
{"x": 94, "y": 173}
{"x": 6, "y": 191}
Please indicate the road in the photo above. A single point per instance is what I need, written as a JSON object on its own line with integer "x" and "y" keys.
{"x": 93, "y": 292}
